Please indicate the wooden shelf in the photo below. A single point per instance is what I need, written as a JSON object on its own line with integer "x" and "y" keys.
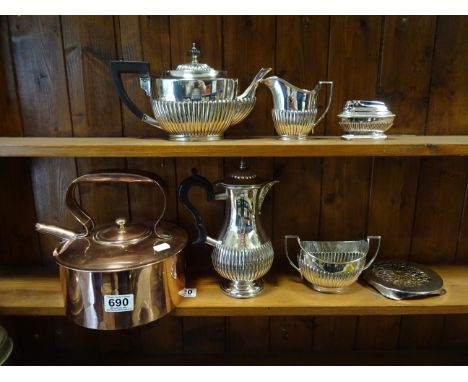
{"x": 395, "y": 145}
{"x": 283, "y": 295}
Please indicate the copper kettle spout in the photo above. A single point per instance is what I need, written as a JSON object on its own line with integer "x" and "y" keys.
{"x": 53, "y": 230}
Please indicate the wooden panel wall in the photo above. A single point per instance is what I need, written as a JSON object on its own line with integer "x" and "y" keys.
{"x": 55, "y": 80}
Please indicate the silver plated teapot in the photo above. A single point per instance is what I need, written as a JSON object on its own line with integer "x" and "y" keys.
{"x": 194, "y": 102}
{"x": 242, "y": 252}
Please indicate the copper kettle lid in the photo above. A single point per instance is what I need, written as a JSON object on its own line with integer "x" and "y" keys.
{"x": 99, "y": 252}
{"x": 121, "y": 245}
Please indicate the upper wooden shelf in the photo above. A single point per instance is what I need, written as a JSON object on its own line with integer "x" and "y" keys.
{"x": 395, "y": 145}
{"x": 283, "y": 295}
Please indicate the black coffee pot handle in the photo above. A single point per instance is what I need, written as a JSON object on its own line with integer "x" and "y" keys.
{"x": 196, "y": 180}
{"x": 142, "y": 69}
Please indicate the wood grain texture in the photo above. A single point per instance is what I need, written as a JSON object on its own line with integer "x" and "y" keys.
{"x": 353, "y": 63}
{"x": 442, "y": 184}
{"x": 291, "y": 334}
{"x": 249, "y": 334}
{"x": 9, "y": 102}
{"x": 248, "y": 45}
{"x": 40, "y": 71}
{"x": 163, "y": 336}
{"x": 204, "y": 335}
{"x": 392, "y": 204}
{"x": 284, "y": 294}
{"x": 89, "y": 43}
{"x": 253, "y": 147}
{"x": 18, "y": 243}
{"x": 449, "y": 81}
{"x": 147, "y": 38}
{"x": 405, "y": 73}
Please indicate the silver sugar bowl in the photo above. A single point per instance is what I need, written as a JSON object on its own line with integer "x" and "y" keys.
{"x": 242, "y": 252}
{"x": 194, "y": 102}
{"x": 365, "y": 119}
{"x": 331, "y": 266}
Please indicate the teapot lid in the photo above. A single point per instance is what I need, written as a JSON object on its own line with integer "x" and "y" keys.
{"x": 243, "y": 176}
{"x": 194, "y": 69}
{"x": 121, "y": 247}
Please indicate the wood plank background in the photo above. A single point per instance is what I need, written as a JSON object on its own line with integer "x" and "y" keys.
{"x": 55, "y": 80}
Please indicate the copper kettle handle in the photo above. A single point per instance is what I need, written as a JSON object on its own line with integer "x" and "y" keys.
{"x": 111, "y": 176}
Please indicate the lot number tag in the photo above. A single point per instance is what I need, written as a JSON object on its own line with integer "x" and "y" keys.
{"x": 118, "y": 303}
{"x": 188, "y": 292}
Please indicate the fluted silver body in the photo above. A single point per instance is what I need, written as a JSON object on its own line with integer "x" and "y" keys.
{"x": 293, "y": 124}
{"x": 242, "y": 264}
{"x": 331, "y": 272}
{"x": 243, "y": 254}
{"x": 330, "y": 266}
{"x": 200, "y": 120}
{"x": 365, "y": 127}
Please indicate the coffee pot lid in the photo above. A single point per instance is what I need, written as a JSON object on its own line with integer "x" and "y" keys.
{"x": 243, "y": 176}
{"x": 193, "y": 69}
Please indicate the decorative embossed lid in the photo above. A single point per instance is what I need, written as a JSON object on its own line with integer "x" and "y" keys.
{"x": 194, "y": 69}
{"x": 360, "y": 108}
{"x": 399, "y": 279}
{"x": 243, "y": 176}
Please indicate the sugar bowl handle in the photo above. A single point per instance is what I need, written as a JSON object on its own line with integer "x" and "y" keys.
{"x": 286, "y": 237}
{"x": 369, "y": 240}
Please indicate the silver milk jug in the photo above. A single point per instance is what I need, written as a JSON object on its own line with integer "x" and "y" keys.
{"x": 242, "y": 252}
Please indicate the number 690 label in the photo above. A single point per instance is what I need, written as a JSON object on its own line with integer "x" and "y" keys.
{"x": 118, "y": 303}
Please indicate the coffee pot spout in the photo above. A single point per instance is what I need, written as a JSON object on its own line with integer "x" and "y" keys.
{"x": 264, "y": 191}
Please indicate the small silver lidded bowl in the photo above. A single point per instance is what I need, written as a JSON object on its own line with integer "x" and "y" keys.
{"x": 365, "y": 119}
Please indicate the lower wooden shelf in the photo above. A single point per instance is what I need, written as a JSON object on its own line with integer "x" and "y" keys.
{"x": 283, "y": 295}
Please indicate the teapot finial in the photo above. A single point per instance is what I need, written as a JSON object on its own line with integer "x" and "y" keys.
{"x": 194, "y": 52}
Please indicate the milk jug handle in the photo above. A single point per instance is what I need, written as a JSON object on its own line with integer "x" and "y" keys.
{"x": 330, "y": 92}
{"x": 196, "y": 180}
{"x": 286, "y": 237}
{"x": 369, "y": 239}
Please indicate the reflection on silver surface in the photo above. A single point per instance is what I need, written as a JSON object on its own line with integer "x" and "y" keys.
{"x": 295, "y": 109}
{"x": 365, "y": 120}
{"x": 400, "y": 279}
{"x": 242, "y": 252}
{"x": 203, "y": 120}
{"x": 330, "y": 266}
{"x": 192, "y": 102}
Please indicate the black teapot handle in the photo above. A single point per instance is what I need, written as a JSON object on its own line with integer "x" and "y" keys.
{"x": 142, "y": 69}
{"x": 196, "y": 180}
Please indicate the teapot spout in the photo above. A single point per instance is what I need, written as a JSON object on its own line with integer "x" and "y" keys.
{"x": 264, "y": 191}
{"x": 250, "y": 91}
{"x": 53, "y": 230}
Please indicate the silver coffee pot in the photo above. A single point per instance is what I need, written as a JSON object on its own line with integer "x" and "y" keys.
{"x": 242, "y": 252}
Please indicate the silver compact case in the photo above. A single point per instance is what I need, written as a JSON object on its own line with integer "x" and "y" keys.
{"x": 400, "y": 279}
{"x": 365, "y": 119}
